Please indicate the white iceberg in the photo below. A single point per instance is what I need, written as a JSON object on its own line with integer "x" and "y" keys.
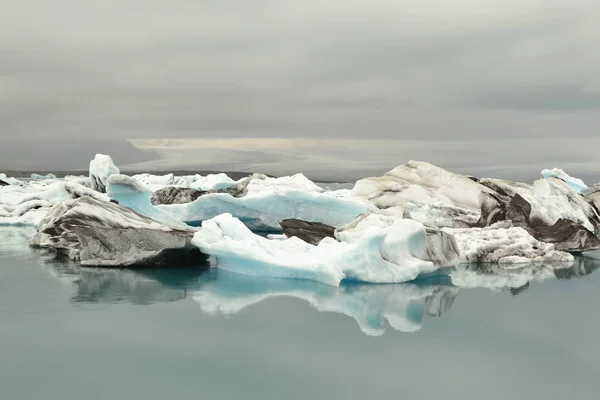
{"x": 10, "y": 180}
{"x": 38, "y": 177}
{"x": 27, "y": 205}
{"x": 576, "y": 183}
{"x": 156, "y": 182}
{"x": 101, "y": 168}
{"x": 212, "y": 182}
{"x": 421, "y": 183}
{"x": 373, "y": 249}
{"x": 265, "y": 203}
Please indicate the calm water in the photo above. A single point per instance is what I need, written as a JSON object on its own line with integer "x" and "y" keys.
{"x": 70, "y": 333}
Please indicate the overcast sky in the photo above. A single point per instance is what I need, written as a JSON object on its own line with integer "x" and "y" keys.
{"x": 337, "y": 69}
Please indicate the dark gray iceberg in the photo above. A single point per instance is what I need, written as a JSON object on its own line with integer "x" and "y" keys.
{"x": 310, "y": 232}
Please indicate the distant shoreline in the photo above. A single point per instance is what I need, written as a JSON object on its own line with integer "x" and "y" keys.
{"x": 235, "y": 175}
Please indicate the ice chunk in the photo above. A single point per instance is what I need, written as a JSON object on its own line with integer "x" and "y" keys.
{"x": 554, "y": 199}
{"x": 156, "y": 182}
{"x": 421, "y": 183}
{"x": 27, "y": 205}
{"x": 551, "y": 199}
{"x": 264, "y": 203}
{"x": 10, "y": 180}
{"x": 212, "y": 182}
{"x": 101, "y": 168}
{"x": 37, "y": 177}
{"x": 374, "y": 249}
{"x": 575, "y": 183}
{"x": 503, "y": 243}
{"x": 132, "y": 193}
{"x": 99, "y": 233}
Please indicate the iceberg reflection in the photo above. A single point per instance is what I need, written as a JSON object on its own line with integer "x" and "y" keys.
{"x": 404, "y": 306}
{"x": 375, "y": 307}
{"x": 140, "y": 286}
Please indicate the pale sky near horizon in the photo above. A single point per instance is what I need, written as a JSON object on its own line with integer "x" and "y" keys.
{"x": 442, "y": 80}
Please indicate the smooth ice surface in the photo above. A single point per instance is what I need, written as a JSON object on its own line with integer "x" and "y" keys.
{"x": 376, "y": 249}
{"x": 421, "y": 183}
{"x": 576, "y": 183}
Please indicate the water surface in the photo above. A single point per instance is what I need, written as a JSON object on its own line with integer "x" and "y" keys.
{"x": 70, "y": 333}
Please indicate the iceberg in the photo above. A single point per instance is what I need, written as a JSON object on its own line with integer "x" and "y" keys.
{"x": 98, "y": 233}
{"x": 6, "y": 181}
{"x": 37, "y": 177}
{"x": 261, "y": 203}
{"x": 577, "y": 184}
{"x": 27, "y": 205}
{"x": 211, "y": 182}
{"x": 421, "y": 183}
{"x": 101, "y": 168}
{"x": 373, "y": 249}
{"x": 156, "y": 182}
{"x": 502, "y": 243}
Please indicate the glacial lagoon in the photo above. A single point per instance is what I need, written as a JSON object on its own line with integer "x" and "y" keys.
{"x": 70, "y": 332}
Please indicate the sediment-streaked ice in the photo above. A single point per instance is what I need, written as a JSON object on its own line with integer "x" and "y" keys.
{"x": 421, "y": 183}
{"x": 502, "y": 243}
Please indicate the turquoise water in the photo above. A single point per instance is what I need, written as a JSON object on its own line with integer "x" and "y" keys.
{"x": 70, "y": 333}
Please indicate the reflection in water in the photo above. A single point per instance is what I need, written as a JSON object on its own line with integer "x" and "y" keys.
{"x": 217, "y": 292}
{"x": 140, "y": 286}
{"x": 581, "y": 267}
{"x": 512, "y": 278}
{"x": 15, "y": 240}
{"x": 403, "y": 306}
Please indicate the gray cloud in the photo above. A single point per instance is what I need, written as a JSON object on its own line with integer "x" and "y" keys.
{"x": 278, "y": 68}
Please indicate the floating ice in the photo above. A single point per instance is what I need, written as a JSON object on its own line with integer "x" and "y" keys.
{"x": 10, "y": 180}
{"x": 421, "y": 183}
{"x": 132, "y": 193}
{"x": 374, "y": 249}
{"x": 503, "y": 243}
{"x": 101, "y": 168}
{"x": 575, "y": 183}
{"x": 266, "y": 202}
{"x": 27, "y": 205}
{"x": 37, "y": 177}
{"x": 99, "y": 233}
